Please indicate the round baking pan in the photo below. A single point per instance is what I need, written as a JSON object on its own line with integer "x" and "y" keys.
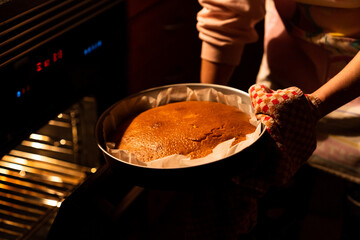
{"x": 248, "y": 161}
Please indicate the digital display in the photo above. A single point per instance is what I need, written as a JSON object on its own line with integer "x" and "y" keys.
{"x": 22, "y": 91}
{"x": 52, "y": 59}
{"x": 55, "y": 62}
{"x": 93, "y": 47}
{"x": 47, "y": 62}
{"x": 56, "y": 56}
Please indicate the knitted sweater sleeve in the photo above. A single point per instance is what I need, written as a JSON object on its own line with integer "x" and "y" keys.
{"x": 225, "y": 26}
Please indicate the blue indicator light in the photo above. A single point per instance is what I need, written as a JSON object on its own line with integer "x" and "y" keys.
{"x": 91, "y": 48}
{"x": 18, "y": 94}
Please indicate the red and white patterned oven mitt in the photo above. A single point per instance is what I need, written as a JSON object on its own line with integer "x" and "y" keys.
{"x": 290, "y": 117}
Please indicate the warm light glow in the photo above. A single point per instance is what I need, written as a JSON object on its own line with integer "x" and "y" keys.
{"x": 35, "y": 136}
{"x": 16, "y": 166}
{"x": 40, "y": 137}
{"x": 17, "y": 160}
{"x": 46, "y": 147}
{"x": 37, "y": 157}
{"x": 55, "y": 179}
{"x": 37, "y": 145}
{"x": 52, "y": 203}
{"x": 59, "y": 124}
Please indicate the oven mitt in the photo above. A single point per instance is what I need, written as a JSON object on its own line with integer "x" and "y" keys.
{"x": 290, "y": 117}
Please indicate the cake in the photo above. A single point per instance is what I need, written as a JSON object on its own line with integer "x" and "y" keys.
{"x": 191, "y": 128}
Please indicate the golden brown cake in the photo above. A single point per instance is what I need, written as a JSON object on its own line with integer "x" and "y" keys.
{"x": 191, "y": 128}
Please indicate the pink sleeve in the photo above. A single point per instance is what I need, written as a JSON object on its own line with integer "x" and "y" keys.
{"x": 225, "y": 26}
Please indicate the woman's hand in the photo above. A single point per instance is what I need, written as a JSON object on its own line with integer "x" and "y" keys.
{"x": 290, "y": 117}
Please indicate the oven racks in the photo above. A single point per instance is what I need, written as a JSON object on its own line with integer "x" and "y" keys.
{"x": 38, "y": 174}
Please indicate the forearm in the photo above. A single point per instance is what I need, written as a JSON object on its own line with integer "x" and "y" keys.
{"x": 225, "y": 27}
{"x": 342, "y": 88}
{"x": 215, "y": 72}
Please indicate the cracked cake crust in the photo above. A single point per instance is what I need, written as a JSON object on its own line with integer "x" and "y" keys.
{"x": 191, "y": 128}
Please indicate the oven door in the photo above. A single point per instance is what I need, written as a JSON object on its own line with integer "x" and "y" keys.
{"x": 61, "y": 63}
{"x": 53, "y": 55}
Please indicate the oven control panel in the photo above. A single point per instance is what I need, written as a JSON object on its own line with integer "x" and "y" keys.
{"x": 54, "y": 54}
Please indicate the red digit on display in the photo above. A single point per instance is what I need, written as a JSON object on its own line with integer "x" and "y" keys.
{"x": 47, "y": 63}
{"x": 38, "y": 67}
{"x": 60, "y": 54}
{"x": 55, "y": 57}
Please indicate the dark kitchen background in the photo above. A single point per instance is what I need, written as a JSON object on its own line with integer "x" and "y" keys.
{"x": 62, "y": 63}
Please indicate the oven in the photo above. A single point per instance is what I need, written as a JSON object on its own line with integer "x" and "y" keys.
{"x": 61, "y": 64}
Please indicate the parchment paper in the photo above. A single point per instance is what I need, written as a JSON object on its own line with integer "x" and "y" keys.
{"x": 141, "y": 103}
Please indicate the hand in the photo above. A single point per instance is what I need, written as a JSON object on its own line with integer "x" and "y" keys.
{"x": 290, "y": 117}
